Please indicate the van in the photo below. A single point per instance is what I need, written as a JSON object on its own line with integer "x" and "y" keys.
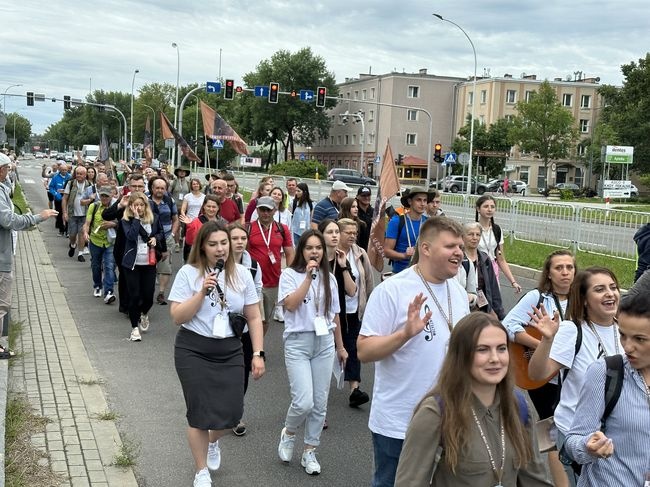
{"x": 90, "y": 153}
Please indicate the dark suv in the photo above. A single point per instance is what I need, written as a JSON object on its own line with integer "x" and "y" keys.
{"x": 349, "y": 176}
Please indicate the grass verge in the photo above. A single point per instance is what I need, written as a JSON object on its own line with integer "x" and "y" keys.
{"x": 530, "y": 254}
{"x": 25, "y": 465}
{"x": 127, "y": 455}
{"x": 19, "y": 200}
{"x": 107, "y": 416}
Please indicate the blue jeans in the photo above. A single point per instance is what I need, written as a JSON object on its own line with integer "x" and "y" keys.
{"x": 101, "y": 258}
{"x": 309, "y": 360}
{"x": 387, "y": 451}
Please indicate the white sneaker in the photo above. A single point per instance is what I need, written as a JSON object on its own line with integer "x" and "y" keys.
{"x": 202, "y": 479}
{"x": 144, "y": 323}
{"x": 135, "y": 335}
{"x": 285, "y": 448}
{"x": 214, "y": 456}
{"x": 97, "y": 292}
{"x": 85, "y": 251}
{"x": 109, "y": 298}
{"x": 312, "y": 467}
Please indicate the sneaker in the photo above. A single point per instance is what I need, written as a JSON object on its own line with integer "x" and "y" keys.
{"x": 61, "y": 234}
{"x": 285, "y": 448}
{"x": 144, "y": 322}
{"x": 85, "y": 251}
{"x": 109, "y": 297}
{"x": 240, "y": 429}
{"x": 358, "y": 397}
{"x": 214, "y": 456}
{"x": 135, "y": 335}
{"x": 202, "y": 479}
{"x": 312, "y": 467}
{"x": 160, "y": 299}
{"x": 81, "y": 258}
{"x": 325, "y": 425}
{"x": 71, "y": 250}
{"x": 97, "y": 292}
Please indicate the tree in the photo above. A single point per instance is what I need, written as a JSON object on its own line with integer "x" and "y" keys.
{"x": 627, "y": 111}
{"x": 23, "y": 129}
{"x": 544, "y": 126}
{"x": 496, "y": 137}
{"x": 291, "y": 120}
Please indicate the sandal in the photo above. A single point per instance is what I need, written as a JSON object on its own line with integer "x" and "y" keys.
{"x": 6, "y": 353}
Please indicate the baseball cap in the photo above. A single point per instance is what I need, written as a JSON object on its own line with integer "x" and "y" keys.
{"x": 364, "y": 191}
{"x": 105, "y": 191}
{"x": 4, "y": 160}
{"x": 266, "y": 202}
{"x": 340, "y": 185}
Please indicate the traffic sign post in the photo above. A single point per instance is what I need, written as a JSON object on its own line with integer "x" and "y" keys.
{"x": 450, "y": 159}
{"x": 212, "y": 87}
{"x": 218, "y": 144}
{"x": 261, "y": 91}
{"x": 307, "y": 95}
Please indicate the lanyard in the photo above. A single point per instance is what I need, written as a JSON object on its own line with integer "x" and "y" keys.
{"x": 267, "y": 240}
{"x": 498, "y": 474}
{"x": 408, "y": 220}
{"x": 559, "y": 306}
{"x": 222, "y": 294}
{"x": 316, "y": 294}
{"x": 448, "y": 318}
{"x": 600, "y": 341}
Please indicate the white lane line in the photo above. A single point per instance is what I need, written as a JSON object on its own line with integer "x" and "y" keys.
{"x": 27, "y": 181}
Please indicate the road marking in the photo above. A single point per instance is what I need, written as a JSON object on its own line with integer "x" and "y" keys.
{"x": 27, "y": 181}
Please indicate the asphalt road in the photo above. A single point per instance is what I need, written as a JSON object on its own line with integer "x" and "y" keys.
{"x": 142, "y": 387}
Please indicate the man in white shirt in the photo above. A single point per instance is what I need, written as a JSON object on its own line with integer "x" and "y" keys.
{"x": 405, "y": 330}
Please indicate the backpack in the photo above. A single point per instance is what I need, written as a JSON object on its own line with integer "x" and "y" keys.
{"x": 279, "y": 225}
{"x": 253, "y": 268}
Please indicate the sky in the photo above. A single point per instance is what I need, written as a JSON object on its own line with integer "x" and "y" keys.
{"x": 70, "y": 47}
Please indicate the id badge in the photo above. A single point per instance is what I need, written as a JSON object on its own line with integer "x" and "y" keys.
{"x": 303, "y": 225}
{"x": 180, "y": 196}
{"x": 220, "y": 326}
{"x": 481, "y": 300}
{"x": 272, "y": 257}
{"x": 143, "y": 249}
{"x": 320, "y": 326}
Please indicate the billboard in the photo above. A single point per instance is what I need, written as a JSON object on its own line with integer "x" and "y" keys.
{"x": 618, "y": 154}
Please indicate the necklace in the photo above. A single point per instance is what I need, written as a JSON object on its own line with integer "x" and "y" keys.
{"x": 498, "y": 474}
{"x": 448, "y": 318}
{"x": 600, "y": 341}
{"x": 645, "y": 384}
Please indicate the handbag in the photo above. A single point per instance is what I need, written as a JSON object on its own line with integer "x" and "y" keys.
{"x": 238, "y": 321}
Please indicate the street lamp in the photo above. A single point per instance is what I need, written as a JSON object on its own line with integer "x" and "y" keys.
{"x": 358, "y": 116}
{"x": 471, "y": 131}
{"x": 132, "y": 84}
{"x": 4, "y": 96}
{"x": 178, "y": 75}
{"x": 153, "y": 134}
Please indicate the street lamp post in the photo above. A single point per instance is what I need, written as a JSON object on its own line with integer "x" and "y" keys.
{"x": 153, "y": 134}
{"x": 358, "y": 116}
{"x": 132, "y": 84}
{"x": 178, "y": 75}
{"x": 4, "y": 96}
{"x": 471, "y": 131}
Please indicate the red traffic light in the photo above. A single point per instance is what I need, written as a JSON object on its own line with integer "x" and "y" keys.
{"x": 274, "y": 90}
{"x": 239, "y": 89}
{"x": 321, "y": 95}
{"x": 229, "y": 93}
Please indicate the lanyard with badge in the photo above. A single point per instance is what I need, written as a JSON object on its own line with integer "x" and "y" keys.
{"x": 320, "y": 322}
{"x": 267, "y": 241}
{"x": 221, "y": 322}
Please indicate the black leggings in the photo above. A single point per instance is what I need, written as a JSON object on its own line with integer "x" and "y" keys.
{"x": 350, "y": 327}
{"x": 140, "y": 284}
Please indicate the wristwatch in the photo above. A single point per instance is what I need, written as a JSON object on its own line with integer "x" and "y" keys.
{"x": 260, "y": 354}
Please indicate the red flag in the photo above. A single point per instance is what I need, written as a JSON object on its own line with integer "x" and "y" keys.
{"x": 215, "y": 127}
{"x": 103, "y": 148}
{"x": 168, "y": 128}
{"x": 148, "y": 147}
{"x": 388, "y": 187}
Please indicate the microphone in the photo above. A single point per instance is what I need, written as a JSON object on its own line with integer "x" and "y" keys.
{"x": 314, "y": 272}
{"x": 217, "y": 268}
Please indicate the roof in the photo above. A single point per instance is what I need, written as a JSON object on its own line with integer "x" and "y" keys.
{"x": 413, "y": 161}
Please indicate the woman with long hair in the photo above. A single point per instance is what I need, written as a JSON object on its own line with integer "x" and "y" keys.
{"x": 588, "y": 332}
{"x": 91, "y": 176}
{"x": 312, "y": 338}
{"x": 492, "y": 238}
{"x": 350, "y": 210}
{"x": 144, "y": 241}
{"x": 361, "y": 272}
{"x": 302, "y": 208}
{"x": 208, "y": 354}
{"x": 264, "y": 189}
{"x": 473, "y": 417}
{"x": 282, "y": 215}
{"x": 192, "y": 201}
{"x": 209, "y": 212}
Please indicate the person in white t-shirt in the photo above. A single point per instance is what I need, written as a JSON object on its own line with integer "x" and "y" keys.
{"x": 192, "y": 201}
{"x": 405, "y": 330}
{"x": 312, "y": 338}
{"x": 593, "y": 304}
{"x": 208, "y": 353}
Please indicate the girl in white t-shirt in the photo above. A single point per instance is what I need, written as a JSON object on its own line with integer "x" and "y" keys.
{"x": 193, "y": 200}
{"x": 593, "y": 303}
{"x": 312, "y": 338}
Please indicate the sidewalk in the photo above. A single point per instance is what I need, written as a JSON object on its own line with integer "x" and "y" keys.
{"x": 57, "y": 377}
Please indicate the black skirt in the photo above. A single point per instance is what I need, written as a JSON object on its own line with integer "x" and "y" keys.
{"x": 211, "y": 372}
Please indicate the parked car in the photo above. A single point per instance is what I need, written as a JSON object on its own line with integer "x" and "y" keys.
{"x": 570, "y": 186}
{"x": 634, "y": 191}
{"x": 457, "y": 184}
{"x": 349, "y": 176}
{"x": 68, "y": 157}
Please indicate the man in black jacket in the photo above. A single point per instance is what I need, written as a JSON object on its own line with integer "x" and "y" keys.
{"x": 642, "y": 239}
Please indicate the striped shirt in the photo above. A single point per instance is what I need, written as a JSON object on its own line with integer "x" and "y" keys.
{"x": 628, "y": 427}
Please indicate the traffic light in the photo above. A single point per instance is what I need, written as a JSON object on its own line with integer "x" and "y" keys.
{"x": 66, "y": 102}
{"x": 274, "y": 89}
{"x": 437, "y": 154}
{"x": 321, "y": 94}
{"x": 30, "y": 98}
{"x": 400, "y": 158}
{"x": 229, "y": 94}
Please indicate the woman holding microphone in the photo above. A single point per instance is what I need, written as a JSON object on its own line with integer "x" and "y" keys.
{"x": 207, "y": 302}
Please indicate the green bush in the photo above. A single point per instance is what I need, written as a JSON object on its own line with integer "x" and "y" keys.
{"x": 300, "y": 169}
{"x": 566, "y": 194}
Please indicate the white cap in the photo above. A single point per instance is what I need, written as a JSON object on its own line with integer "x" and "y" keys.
{"x": 340, "y": 185}
{"x": 4, "y": 160}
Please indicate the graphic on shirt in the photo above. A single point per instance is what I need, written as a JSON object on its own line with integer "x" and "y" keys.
{"x": 429, "y": 327}
{"x": 307, "y": 299}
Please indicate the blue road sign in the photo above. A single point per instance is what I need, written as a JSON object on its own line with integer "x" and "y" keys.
{"x": 218, "y": 144}
{"x": 306, "y": 95}
{"x": 262, "y": 91}
{"x": 450, "y": 159}
{"x": 302, "y": 157}
{"x": 212, "y": 87}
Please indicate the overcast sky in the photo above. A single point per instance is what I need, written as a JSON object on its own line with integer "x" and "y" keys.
{"x": 66, "y": 47}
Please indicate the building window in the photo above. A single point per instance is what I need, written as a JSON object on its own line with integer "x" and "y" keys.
{"x": 412, "y": 115}
{"x": 584, "y": 126}
{"x": 331, "y": 140}
{"x": 567, "y": 100}
{"x": 372, "y": 93}
{"x": 528, "y": 96}
{"x": 371, "y": 115}
{"x": 354, "y": 139}
{"x": 481, "y": 119}
{"x": 581, "y": 150}
{"x": 414, "y": 92}
{"x": 347, "y": 139}
{"x": 470, "y": 98}
{"x": 411, "y": 139}
{"x": 523, "y": 173}
{"x": 585, "y": 101}
{"x": 483, "y": 96}
{"x": 510, "y": 118}
{"x": 371, "y": 139}
{"x": 338, "y": 140}
{"x": 364, "y": 94}
{"x": 511, "y": 96}
{"x": 356, "y": 94}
